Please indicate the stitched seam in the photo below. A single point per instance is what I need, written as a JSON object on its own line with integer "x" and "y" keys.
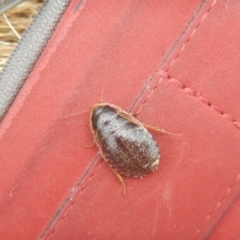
{"x": 177, "y": 83}
{"x": 191, "y": 35}
{"x": 197, "y": 95}
{"x": 165, "y": 74}
{"x": 71, "y": 204}
{"x": 218, "y": 205}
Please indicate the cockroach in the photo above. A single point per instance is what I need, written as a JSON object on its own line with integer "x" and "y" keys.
{"x": 124, "y": 142}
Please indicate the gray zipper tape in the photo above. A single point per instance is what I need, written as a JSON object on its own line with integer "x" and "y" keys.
{"x": 27, "y": 52}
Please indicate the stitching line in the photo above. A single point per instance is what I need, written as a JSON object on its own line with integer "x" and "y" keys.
{"x": 164, "y": 74}
{"x": 191, "y": 35}
{"x": 206, "y": 102}
{"x": 177, "y": 83}
{"x": 218, "y": 204}
{"x": 71, "y": 204}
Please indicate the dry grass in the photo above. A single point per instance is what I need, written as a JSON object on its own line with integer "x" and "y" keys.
{"x": 19, "y": 17}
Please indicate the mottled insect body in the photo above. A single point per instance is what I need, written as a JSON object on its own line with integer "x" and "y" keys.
{"x": 123, "y": 141}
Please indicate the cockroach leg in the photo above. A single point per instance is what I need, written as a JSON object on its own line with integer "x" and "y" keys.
{"x": 87, "y": 125}
{"x": 138, "y": 111}
{"x": 91, "y": 146}
{"x": 119, "y": 177}
{"x": 160, "y": 130}
{"x": 76, "y": 113}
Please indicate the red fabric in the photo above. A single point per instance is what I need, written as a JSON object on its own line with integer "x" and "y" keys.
{"x": 179, "y": 61}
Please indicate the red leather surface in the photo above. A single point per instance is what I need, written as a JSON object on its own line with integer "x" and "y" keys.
{"x": 179, "y": 62}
